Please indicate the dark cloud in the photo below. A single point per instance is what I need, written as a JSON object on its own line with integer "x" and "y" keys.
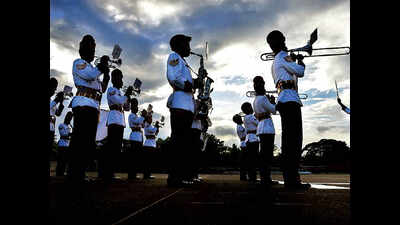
{"x": 322, "y": 129}
{"x": 223, "y": 131}
{"x": 235, "y": 80}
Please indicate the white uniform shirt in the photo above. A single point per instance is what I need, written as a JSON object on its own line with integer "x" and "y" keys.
{"x": 250, "y": 123}
{"x": 283, "y": 70}
{"x": 150, "y": 130}
{"x": 86, "y": 75}
{"x": 261, "y": 104}
{"x": 53, "y": 108}
{"x": 64, "y": 130}
{"x": 196, "y": 124}
{"x": 241, "y": 132}
{"x": 136, "y": 121}
{"x": 114, "y": 98}
{"x": 177, "y": 73}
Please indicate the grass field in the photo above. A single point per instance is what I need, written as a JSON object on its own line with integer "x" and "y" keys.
{"x": 222, "y": 199}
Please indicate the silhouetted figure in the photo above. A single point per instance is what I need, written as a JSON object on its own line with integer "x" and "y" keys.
{"x": 285, "y": 72}
{"x": 86, "y": 106}
{"x": 241, "y": 132}
{"x": 117, "y": 103}
{"x": 181, "y": 105}
{"x": 136, "y": 123}
{"x": 263, "y": 109}
{"x": 56, "y": 107}
{"x": 149, "y": 147}
{"x": 252, "y": 141}
{"x": 344, "y": 108}
{"x": 196, "y": 143}
{"x": 65, "y": 131}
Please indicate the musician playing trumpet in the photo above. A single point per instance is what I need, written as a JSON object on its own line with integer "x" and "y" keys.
{"x": 285, "y": 72}
{"x": 117, "y": 103}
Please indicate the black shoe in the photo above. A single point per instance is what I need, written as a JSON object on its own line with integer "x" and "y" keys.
{"x": 298, "y": 186}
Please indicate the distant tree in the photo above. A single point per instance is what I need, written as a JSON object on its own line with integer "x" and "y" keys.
{"x": 328, "y": 152}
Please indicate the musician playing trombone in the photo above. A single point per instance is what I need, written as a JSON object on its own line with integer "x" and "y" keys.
{"x": 285, "y": 72}
{"x": 86, "y": 106}
{"x": 263, "y": 108}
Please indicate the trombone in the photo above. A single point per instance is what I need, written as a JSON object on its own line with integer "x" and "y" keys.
{"x": 346, "y": 50}
{"x": 309, "y": 49}
{"x": 252, "y": 94}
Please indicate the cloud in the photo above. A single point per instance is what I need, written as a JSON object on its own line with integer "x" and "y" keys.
{"x": 223, "y": 131}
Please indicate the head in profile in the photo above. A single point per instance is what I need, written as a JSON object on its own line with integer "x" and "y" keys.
{"x": 87, "y": 48}
{"x": 116, "y": 78}
{"x": 237, "y": 119}
{"x": 180, "y": 44}
{"x": 134, "y": 105}
{"x": 276, "y": 41}
{"x": 259, "y": 85}
{"x": 247, "y": 108}
{"x": 53, "y": 86}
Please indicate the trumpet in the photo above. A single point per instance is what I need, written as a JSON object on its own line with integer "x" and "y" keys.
{"x": 252, "y": 94}
{"x": 136, "y": 88}
{"x": 309, "y": 49}
{"x": 115, "y": 58}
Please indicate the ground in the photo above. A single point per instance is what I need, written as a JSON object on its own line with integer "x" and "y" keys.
{"x": 222, "y": 199}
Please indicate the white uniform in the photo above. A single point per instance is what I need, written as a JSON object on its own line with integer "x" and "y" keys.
{"x": 261, "y": 104}
{"x": 53, "y": 108}
{"x": 241, "y": 132}
{"x": 64, "y": 131}
{"x": 283, "y": 71}
{"x": 114, "y": 98}
{"x": 177, "y": 73}
{"x": 136, "y": 121}
{"x": 86, "y": 75}
{"x": 150, "y": 130}
{"x": 250, "y": 123}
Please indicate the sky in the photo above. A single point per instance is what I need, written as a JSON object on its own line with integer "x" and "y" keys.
{"x": 236, "y": 35}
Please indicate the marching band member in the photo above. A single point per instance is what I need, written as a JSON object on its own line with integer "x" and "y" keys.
{"x": 136, "y": 123}
{"x": 241, "y": 132}
{"x": 149, "y": 147}
{"x": 252, "y": 141}
{"x": 63, "y": 144}
{"x": 54, "y": 111}
{"x": 285, "y": 72}
{"x": 265, "y": 129}
{"x": 196, "y": 143}
{"x": 115, "y": 124}
{"x": 181, "y": 105}
{"x": 86, "y": 106}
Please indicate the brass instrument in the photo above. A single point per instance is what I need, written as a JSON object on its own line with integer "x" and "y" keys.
{"x": 252, "y": 94}
{"x": 136, "y": 88}
{"x": 114, "y": 59}
{"x": 204, "y": 92}
{"x": 309, "y": 49}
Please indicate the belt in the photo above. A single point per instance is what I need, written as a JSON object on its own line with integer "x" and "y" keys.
{"x": 134, "y": 129}
{"x": 285, "y": 84}
{"x": 116, "y": 107}
{"x": 150, "y": 136}
{"x": 262, "y": 116}
{"x": 89, "y": 93}
{"x": 251, "y": 131}
{"x": 64, "y": 137}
